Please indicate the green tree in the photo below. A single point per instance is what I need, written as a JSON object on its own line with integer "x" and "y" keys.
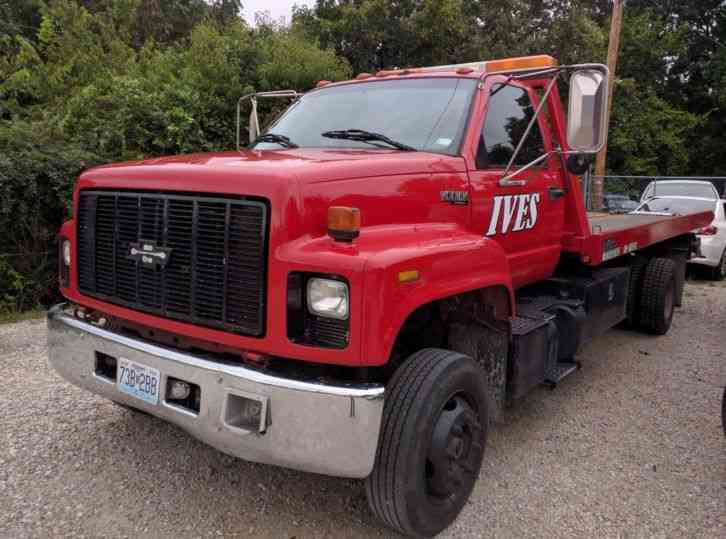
{"x": 648, "y": 135}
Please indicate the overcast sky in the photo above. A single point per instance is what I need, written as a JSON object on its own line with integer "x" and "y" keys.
{"x": 277, "y": 8}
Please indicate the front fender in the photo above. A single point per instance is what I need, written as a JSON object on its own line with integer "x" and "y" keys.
{"x": 449, "y": 260}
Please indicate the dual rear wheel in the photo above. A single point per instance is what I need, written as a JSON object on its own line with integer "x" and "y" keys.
{"x": 652, "y": 295}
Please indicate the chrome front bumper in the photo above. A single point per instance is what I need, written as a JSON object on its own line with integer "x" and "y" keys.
{"x": 327, "y": 429}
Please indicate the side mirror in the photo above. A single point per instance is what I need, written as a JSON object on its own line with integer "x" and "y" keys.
{"x": 587, "y": 111}
{"x": 254, "y": 121}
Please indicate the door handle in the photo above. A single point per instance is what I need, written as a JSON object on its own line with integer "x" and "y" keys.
{"x": 511, "y": 183}
{"x": 556, "y": 192}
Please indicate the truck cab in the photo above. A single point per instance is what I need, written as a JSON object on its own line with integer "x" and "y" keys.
{"x": 368, "y": 284}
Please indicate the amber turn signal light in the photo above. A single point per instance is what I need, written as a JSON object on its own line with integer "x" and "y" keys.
{"x": 343, "y": 223}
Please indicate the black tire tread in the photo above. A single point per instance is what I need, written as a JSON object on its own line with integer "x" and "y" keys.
{"x": 659, "y": 274}
{"x": 406, "y": 382}
{"x": 632, "y": 305}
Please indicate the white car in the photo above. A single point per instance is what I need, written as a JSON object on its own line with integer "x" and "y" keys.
{"x": 713, "y": 236}
{"x": 680, "y": 188}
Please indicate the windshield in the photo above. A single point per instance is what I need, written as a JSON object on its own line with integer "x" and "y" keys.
{"x": 677, "y": 206}
{"x": 425, "y": 114}
{"x": 670, "y": 189}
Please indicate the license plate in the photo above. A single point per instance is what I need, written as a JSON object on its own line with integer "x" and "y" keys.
{"x": 138, "y": 380}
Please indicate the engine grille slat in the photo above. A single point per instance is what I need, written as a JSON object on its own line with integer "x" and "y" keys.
{"x": 216, "y": 271}
{"x": 327, "y": 331}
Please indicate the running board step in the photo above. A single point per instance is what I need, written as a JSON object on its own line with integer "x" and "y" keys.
{"x": 559, "y": 371}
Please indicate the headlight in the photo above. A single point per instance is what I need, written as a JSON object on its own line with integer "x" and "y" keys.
{"x": 66, "y": 252}
{"x": 328, "y": 298}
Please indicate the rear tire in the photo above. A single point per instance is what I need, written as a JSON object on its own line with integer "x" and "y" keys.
{"x": 632, "y": 306}
{"x": 658, "y": 296}
{"x": 432, "y": 440}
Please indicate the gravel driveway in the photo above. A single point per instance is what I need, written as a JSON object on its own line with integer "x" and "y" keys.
{"x": 630, "y": 446}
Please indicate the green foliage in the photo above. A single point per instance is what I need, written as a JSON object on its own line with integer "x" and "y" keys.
{"x": 12, "y": 286}
{"x": 83, "y": 89}
{"x": 647, "y": 133}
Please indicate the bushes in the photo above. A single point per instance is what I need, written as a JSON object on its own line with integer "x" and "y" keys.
{"x": 37, "y": 171}
{"x": 82, "y": 90}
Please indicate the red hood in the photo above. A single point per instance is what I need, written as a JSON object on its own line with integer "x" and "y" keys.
{"x": 184, "y": 172}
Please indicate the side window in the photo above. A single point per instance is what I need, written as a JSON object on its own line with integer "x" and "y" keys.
{"x": 509, "y": 114}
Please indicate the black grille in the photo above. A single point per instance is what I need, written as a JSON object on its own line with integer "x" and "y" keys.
{"x": 215, "y": 274}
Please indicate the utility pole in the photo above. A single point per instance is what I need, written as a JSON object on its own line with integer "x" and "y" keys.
{"x": 616, "y": 24}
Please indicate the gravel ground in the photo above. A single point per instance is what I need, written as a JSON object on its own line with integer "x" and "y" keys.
{"x": 630, "y": 446}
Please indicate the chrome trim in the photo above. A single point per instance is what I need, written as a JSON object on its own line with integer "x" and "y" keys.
{"x": 314, "y": 427}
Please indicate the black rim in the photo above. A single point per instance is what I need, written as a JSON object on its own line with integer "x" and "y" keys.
{"x": 454, "y": 451}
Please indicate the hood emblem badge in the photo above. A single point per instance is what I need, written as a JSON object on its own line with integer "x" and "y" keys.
{"x": 148, "y": 254}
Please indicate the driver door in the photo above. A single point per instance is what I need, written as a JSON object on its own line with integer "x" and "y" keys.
{"x": 526, "y": 214}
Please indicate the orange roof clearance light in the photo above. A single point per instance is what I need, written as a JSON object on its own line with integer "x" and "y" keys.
{"x": 524, "y": 63}
{"x": 343, "y": 223}
{"x": 322, "y": 83}
{"x": 505, "y": 65}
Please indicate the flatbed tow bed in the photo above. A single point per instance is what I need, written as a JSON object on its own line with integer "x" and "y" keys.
{"x": 611, "y": 236}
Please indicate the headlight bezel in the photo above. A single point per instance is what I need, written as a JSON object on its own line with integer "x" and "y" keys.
{"x": 331, "y": 285}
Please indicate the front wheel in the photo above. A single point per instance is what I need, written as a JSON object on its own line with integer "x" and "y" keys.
{"x": 432, "y": 442}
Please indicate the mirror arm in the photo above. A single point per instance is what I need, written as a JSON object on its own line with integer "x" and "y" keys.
{"x": 508, "y": 178}
{"x": 535, "y": 116}
{"x": 539, "y": 74}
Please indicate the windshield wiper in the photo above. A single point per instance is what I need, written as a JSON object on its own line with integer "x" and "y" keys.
{"x": 282, "y": 140}
{"x": 367, "y": 136}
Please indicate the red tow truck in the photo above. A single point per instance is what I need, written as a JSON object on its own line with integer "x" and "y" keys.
{"x": 366, "y": 287}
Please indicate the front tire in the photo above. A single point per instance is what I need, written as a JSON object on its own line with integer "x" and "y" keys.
{"x": 432, "y": 440}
